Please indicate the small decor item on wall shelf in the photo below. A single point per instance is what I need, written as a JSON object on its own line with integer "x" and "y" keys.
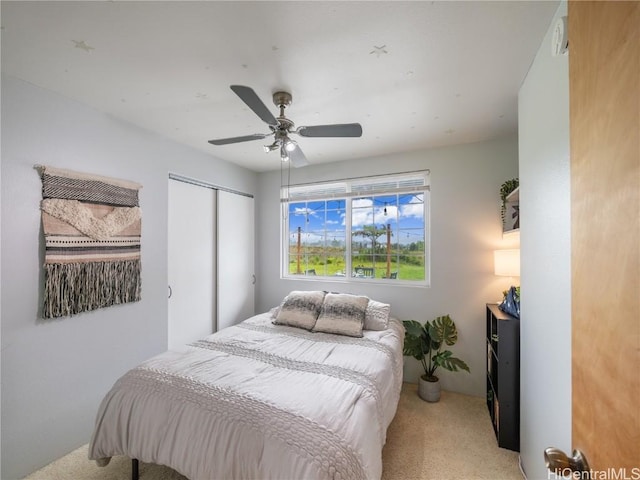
{"x": 424, "y": 343}
{"x": 511, "y": 302}
{"x": 512, "y": 221}
{"x": 92, "y": 227}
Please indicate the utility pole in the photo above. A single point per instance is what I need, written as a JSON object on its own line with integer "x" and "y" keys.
{"x": 388, "y": 250}
{"x": 299, "y": 249}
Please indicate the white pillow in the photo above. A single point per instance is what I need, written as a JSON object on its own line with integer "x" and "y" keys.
{"x": 377, "y": 315}
{"x": 342, "y": 314}
{"x": 300, "y": 309}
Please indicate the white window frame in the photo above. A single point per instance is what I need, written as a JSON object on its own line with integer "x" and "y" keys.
{"x": 346, "y": 189}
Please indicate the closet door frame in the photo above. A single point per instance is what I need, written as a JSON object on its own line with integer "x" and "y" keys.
{"x": 191, "y": 262}
{"x": 233, "y": 288}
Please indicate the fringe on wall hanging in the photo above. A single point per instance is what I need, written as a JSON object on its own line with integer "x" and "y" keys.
{"x": 92, "y": 227}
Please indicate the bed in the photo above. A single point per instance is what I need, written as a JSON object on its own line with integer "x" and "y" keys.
{"x": 269, "y": 398}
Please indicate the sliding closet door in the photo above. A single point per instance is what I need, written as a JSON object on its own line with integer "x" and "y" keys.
{"x": 236, "y": 277}
{"x": 192, "y": 262}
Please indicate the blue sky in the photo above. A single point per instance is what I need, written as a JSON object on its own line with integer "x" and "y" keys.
{"x": 405, "y": 214}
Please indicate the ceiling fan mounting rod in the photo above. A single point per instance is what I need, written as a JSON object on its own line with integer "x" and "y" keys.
{"x": 282, "y": 100}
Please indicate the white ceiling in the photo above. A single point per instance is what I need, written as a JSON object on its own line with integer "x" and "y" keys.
{"x": 414, "y": 74}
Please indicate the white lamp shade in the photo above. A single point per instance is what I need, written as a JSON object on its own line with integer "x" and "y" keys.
{"x": 507, "y": 262}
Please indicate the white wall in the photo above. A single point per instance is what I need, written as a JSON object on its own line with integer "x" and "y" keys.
{"x": 545, "y": 410}
{"x": 55, "y": 372}
{"x": 465, "y": 229}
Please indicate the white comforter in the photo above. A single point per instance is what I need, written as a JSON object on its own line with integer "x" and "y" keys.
{"x": 258, "y": 401}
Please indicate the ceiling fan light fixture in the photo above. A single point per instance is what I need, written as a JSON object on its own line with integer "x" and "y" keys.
{"x": 289, "y": 145}
{"x": 271, "y": 148}
{"x": 284, "y": 156}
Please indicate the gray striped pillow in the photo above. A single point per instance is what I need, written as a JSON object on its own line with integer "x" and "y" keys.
{"x": 342, "y": 314}
{"x": 300, "y": 309}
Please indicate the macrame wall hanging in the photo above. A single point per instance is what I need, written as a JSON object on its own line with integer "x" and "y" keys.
{"x": 92, "y": 228}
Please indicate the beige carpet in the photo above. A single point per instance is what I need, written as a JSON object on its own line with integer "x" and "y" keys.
{"x": 451, "y": 439}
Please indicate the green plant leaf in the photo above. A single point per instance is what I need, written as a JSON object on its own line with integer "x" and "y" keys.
{"x": 413, "y": 328}
{"x": 448, "y": 362}
{"x": 444, "y": 330}
{"x": 507, "y": 187}
{"x": 414, "y": 340}
{"x": 413, "y": 347}
{"x": 432, "y": 332}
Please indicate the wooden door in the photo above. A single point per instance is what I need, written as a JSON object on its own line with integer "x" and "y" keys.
{"x": 604, "y": 72}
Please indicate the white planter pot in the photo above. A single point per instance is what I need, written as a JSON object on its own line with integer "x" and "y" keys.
{"x": 429, "y": 391}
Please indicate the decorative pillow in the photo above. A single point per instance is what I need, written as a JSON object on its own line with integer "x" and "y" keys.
{"x": 342, "y": 314}
{"x": 300, "y": 309}
{"x": 377, "y": 315}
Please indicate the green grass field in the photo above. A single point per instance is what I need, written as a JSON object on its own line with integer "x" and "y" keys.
{"x": 337, "y": 268}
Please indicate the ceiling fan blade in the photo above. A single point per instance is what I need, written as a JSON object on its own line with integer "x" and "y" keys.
{"x": 248, "y": 96}
{"x": 245, "y": 138}
{"x": 297, "y": 158}
{"x": 336, "y": 130}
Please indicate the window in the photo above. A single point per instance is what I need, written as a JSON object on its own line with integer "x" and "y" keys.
{"x": 364, "y": 229}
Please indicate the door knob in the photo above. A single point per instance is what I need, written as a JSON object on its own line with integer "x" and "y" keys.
{"x": 558, "y": 462}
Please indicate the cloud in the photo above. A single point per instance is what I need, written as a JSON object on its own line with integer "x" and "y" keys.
{"x": 362, "y": 202}
{"x": 412, "y": 210}
{"x": 362, "y": 217}
{"x": 369, "y": 216}
{"x": 392, "y": 213}
{"x": 304, "y": 211}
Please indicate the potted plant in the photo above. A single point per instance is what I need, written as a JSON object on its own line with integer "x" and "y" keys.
{"x": 505, "y": 189}
{"x": 425, "y": 343}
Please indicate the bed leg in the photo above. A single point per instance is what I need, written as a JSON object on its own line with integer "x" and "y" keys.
{"x": 134, "y": 469}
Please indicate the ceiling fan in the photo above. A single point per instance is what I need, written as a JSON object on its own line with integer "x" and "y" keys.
{"x": 281, "y": 127}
